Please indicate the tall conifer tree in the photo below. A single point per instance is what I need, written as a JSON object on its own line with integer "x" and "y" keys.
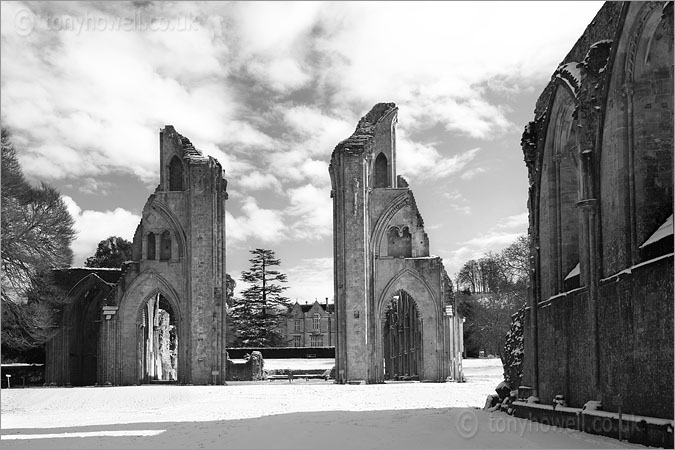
{"x": 256, "y": 316}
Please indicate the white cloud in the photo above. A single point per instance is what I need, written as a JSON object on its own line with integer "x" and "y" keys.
{"x": 92, "y": 186}
{"x": 256, "y": 180}
{"x": 431, "y": 58}
{"x": 94, "y": 226}
{"x": 415, "y": 159}
{"x": 518, "y": 221}
{"x": 492, "y": 240}
{"x": 273, "y": 42}
{"x": 312, "y": 212}
{"x": 270, "y": 88}
{"x": 280, "y": 74}
{"x": 296, "y": 166}
{"x": 317, "y": 132}
{"x": 255, "y": 223}
{"x": 311, "y": 279}
{"x": 498, "y": 237}
{"x": 92, "y": 102}
{"x": 458, "y": 202}
{"x": 471, "y": 173}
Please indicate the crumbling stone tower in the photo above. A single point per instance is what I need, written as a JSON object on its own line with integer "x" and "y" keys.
{"x": 162, "y": 317}
{"x": 390, "y": 295}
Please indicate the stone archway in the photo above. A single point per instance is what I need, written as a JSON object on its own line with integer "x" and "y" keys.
{"x": 402, "y": 338}
{"x": 84, "y": 341}
{"x": 157, "y": 341}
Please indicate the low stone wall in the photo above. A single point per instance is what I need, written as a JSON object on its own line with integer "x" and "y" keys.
{"x": 643, "y": 430}
{"x": 635, "y": 329}
{"x": 284, "y": 352}
{"x": 251, "y": 370}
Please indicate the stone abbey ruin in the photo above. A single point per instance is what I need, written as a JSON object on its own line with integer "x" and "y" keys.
{"x": 599, "y": 320}
{"x": 119, "y": 323}
{"x": 390, "y": 295}
{"x": 599, "y": 153}
{"x": 162, "y": 316}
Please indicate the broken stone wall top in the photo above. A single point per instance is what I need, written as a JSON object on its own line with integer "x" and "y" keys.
{"x": 604, "y": 26}
{"x": 365, "y": 130}
{"x": 189, "y": 150}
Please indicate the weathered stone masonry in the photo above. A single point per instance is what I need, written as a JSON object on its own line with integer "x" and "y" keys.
{"x": 600, "y": 156}
{"x": 390, "y": 295}
{"x": 178, "y": 265}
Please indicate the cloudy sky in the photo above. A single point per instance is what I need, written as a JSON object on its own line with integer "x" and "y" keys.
{"x": 269, "y": 89}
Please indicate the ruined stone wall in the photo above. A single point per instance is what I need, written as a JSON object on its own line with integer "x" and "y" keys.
{"x": 351, "y": 276}
{"x": 590, "y": 341}
{"x": 187, "y": 206}
{"x": 636, "y": 329}
{"x": 380, "y": 247}
{"x": 637, "y": 137}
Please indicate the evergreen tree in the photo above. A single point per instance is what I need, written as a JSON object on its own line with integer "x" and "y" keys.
{"x": 230, "y": 284}
{"x": 512, "y": 358}
{"x": 257, "y": 315}
{"x": 111, "y": 252}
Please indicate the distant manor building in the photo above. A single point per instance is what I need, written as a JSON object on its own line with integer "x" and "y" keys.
{"x": 310, "y": 325}
{"x": 599, "y": 154}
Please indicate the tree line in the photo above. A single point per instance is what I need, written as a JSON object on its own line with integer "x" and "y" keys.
{"x": 490, "y": 291}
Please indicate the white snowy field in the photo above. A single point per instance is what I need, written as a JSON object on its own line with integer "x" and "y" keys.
{"x": 278, "y": 415}
{"x": 298, "y": 363}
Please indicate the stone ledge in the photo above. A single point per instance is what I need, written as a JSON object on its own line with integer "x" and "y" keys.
{"x": 651, "y": 431}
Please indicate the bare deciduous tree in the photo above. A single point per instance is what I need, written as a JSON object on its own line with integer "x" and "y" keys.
{"x": 37, "y": 231}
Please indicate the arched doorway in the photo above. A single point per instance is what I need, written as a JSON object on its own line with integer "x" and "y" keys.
{"x": 158, "y": 341}
{"x": 402, "y": 338}
{"x": 84, "y": 335}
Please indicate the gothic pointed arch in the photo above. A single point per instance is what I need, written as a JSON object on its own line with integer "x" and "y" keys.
{"x": 381, "y": 172}
{"x": 650, "y": 76}
{"x": 175, "y": 227}
{"x": 399, "y": 282}
{"x": 383, "y": 223}
{"x": 151, "y": 277}
{"x": 402, "y": 337}
{"x": 82, "y": 317}
{"x": 560, "y": 190}
{"x": 399, "y": 242}
{"x": 176, "y": 174}
{"x": 87, "y": 283}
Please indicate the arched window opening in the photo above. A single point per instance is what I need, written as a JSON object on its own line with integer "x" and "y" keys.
{"x": 176, "y": 174}
{"x": 165, "y": 246}
{"x": 653, "y": 133}
{"x": 381, "y": 173}
{"x": 561, "y": 189}
{"x": 399, "y": 244}
{"x": 159, "y": 347}
{"x": 402, "y": 338}
{"x": 150, "y": 251}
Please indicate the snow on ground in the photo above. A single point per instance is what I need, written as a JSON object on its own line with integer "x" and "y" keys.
{"x": 278, "y": 415}
{"x": 298, "y": 363}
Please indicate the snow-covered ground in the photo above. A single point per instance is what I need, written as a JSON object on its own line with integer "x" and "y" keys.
{"x": 278, "y": 415}
{"x": 298, "y": 363}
